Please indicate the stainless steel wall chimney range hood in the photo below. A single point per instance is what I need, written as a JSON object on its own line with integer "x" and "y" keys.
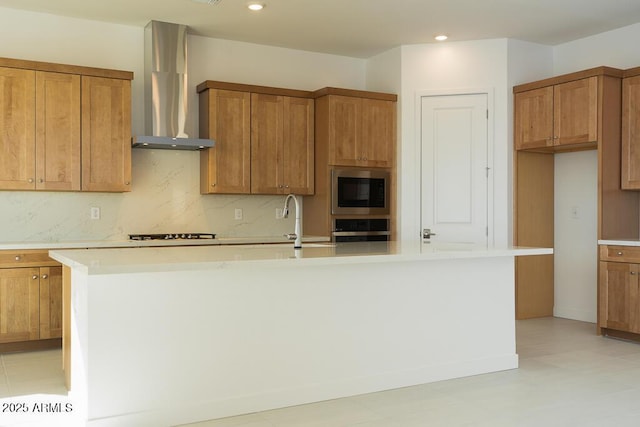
{"x": 165, "y": 89}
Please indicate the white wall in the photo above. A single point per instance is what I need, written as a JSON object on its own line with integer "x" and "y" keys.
{"x": 165, "y": 193}
{"x": 617, "y": 48}
{"x": 575, "y": 235}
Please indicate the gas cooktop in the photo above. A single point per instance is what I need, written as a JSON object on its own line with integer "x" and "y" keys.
{"x": 172, "y": 236}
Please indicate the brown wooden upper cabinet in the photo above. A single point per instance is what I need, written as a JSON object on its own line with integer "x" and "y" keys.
{"x": 47, "y": 115}
{"x": 557, "y": 117}
{"x": 631, "y": 130}
{"x": 281, "y": 144}
{"x": 106, "y": 134}
{"x": 361, "y": 131}
{"x": 264, "y": 139}
{"x": 41, "y": 118}
{"x": 225, "y": 116}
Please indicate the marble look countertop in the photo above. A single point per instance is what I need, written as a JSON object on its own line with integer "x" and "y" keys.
{"x": 125, "y": 243}
{"x": 155, "y": 259}
{"x": 625, "y": 242}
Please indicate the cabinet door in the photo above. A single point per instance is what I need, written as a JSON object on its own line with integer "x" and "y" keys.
{"x": 298, "y": 146}
{"x": 17, "y": 129}
{"x": 267, "y": 120}
{"x": 378, "y": 133}
{"x": 575, "y": 116}
{"x": 345, "y": 119}
{"x": 225, "y": 116}
{"x": 620, "y": 291}
{"x": 631, "y": 133}
{"x": 57, "y": 131}
{"x": 533, "y": 127}
{"x": 19, "y": 304}
{"x": 106, "y": 134}
{"x": 50, "y": 302}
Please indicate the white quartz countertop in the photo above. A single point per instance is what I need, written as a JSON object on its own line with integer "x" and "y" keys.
{"x": 157, "y": 259}
{"x": 125, "y": 243}
{"x": 625, "y": 242}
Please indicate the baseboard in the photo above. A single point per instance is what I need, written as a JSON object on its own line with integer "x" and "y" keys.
{"x": 201, "y": 411}
{"x": 575, "y": 314}
{"x": 36, "y": 345}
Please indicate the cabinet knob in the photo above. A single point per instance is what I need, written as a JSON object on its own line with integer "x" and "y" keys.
{"x": 18, "y": 258}
{"x": 633, "y": 273}
{"x": 40, "y": 180}
{"x": 127, "y": 183}
{"x": 44, "y": 276}
{"x": 34, "y": 277}
{"x": 619, "y": 253}
{"x": 30, "y": 180}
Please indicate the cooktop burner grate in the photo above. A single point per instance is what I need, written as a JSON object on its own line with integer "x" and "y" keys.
{"x": 172, "y": 236}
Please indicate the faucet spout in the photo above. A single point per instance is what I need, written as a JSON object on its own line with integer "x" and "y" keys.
{"x": 297, "y": 234}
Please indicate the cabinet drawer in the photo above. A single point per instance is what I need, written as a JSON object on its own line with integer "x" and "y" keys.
{"x": 620, "y": 253}
{"x": 26, "y": 258}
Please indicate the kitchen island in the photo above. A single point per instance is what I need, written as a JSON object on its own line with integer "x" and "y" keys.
{"x": 164, "y": 336}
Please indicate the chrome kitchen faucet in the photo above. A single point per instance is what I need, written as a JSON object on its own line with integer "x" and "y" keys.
{"x": 297, "y": 234}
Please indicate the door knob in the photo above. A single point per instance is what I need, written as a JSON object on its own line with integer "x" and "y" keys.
{"x": 426, "y": 233}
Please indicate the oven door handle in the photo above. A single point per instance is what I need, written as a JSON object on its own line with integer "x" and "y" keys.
{"x": 361, "y": 233}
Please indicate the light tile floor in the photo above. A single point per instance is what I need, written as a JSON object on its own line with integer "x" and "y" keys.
{"x": 568, "y": 377}
{"x": 31, "y": 373}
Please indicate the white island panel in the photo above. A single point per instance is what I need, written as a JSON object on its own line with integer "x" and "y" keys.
{"x": 171, "y": 347}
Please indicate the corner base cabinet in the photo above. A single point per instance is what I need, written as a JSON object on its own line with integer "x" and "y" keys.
{"x": 619, "y": 291}
{"x": 30, "y": 300}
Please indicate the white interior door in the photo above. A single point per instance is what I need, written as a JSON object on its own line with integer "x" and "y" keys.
{"x": 455, "y": 168}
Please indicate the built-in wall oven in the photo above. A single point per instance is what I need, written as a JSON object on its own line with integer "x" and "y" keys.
{"x": 359, "y": 191}
{"x": 360, "y": 230}
{"x": 360, "y": 204}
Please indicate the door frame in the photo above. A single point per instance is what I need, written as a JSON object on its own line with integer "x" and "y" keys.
{"x": 489, "y": 92}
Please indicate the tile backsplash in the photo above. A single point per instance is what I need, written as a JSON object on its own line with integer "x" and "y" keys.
{"x": 165, "y": 198}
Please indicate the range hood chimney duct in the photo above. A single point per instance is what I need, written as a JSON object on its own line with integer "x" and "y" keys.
{"x": 165, "y": 89}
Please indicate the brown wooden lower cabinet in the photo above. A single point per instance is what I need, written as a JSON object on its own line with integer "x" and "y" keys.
{"x": 30, "y": 301}
{"x": 619, "y": 291}
{"x": 19, "y": 304}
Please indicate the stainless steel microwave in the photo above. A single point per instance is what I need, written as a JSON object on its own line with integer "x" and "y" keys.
{"x": 360, "y": 191}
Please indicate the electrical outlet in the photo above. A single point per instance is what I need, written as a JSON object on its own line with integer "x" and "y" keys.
{"x": 279, "y": 214}
{"x": 574, "y": 212}
{"x": 95, "y": 213}
{"x": 238, "y": 214}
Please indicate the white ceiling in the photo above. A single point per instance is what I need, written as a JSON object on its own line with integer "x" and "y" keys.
{"x": 360, "y": 28}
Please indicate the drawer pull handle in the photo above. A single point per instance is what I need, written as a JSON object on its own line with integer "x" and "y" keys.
{"x": 18, "y": 257}
{"x": 34, "y": 277}
{"x": 619, "y": 253}
{"x": 44, "y": 276}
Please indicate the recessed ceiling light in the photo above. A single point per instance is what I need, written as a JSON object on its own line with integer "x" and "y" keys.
{"x": 255, "y": 6}
{"x": 441, "y": 37}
